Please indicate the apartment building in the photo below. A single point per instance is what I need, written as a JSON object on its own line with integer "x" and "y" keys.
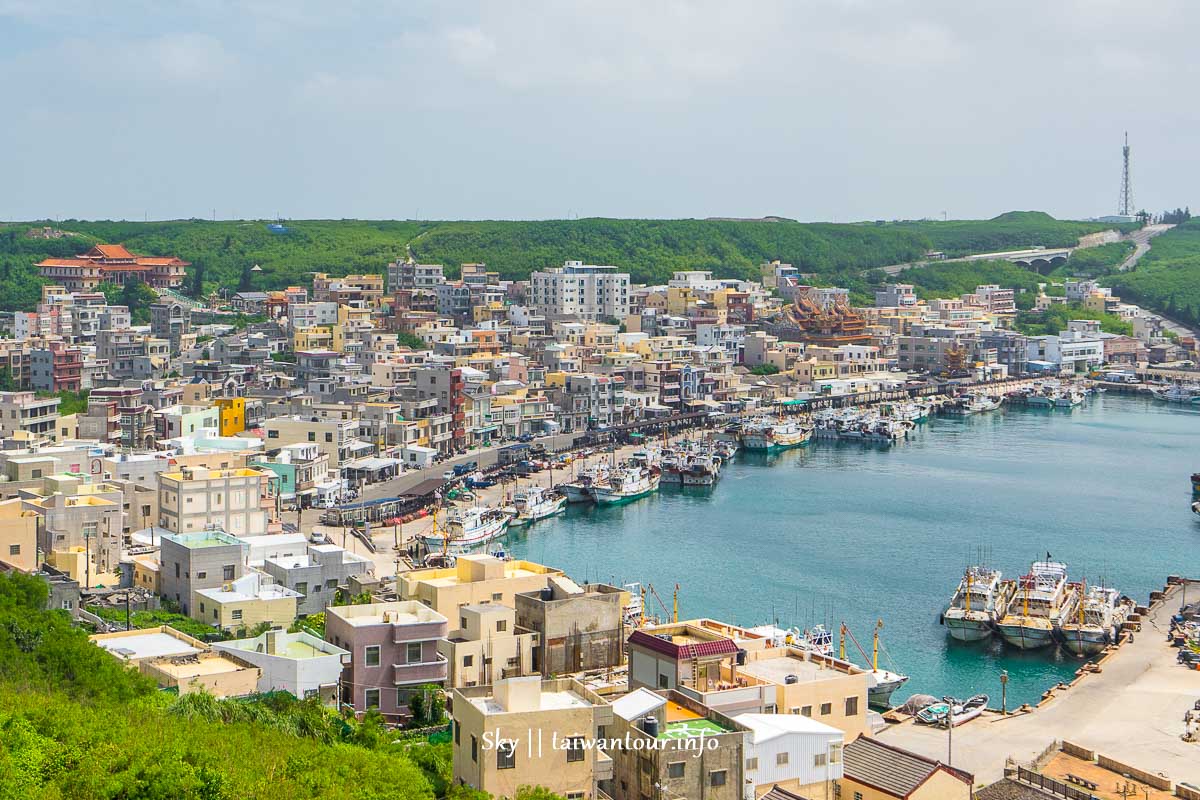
{"x": 245, "y": 602}
{"x": 23, "y": 413}
{"x": 393, "y": 649}
{"x": 205, "y": 559}
{"x": 896, "y": 295}
{"x": 584, "y": 291}
{"x": 473, "y": 579}
{"x": 197, "y": 498}
{"x": 487, "y": 646}
{"x": 57, "y": 367}
{"x": 408, "y": 275}
{"x": 298, "y": 663}
{"x": 588, "y": 401}
{"x": 316, "y": 575}
{"x": 333, "y": 436}
{"x": 578, "y": 627}
{"x": 494, "y": 744}
{"x": 301, "y": 470}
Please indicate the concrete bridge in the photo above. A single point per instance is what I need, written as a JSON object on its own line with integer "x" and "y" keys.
{"x": 1039, "y": 259}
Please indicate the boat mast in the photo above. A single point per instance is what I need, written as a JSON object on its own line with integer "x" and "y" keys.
{"x": 970, "y": 577}
{"x": 875, "y": 649}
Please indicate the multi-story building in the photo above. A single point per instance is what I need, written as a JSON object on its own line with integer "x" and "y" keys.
{"x": 995, "y": 300}
{"x": 473, "y": 579}
{"x": 364, "y": 290}
{"x": 112, "y": 263}
{"x": 334, "y": 437}
{"x": 235, "y": 500}
{"x": 245, "y": 602}
{"x": 1076, "y": 350}
{"x": 487, "y": 646}
{"x": 498, "y": 730}
{"x": 206, "y": 559}
{"x": 896, "y": 295}
{"x": 169, "y": 321}
{"x": 25, "y": 413}
{"x": 591, "y": 401}
{"x": 57, "y": 367}
{"x": 578, "y": 627}
{"x": 393, "y": 649}
{"x": 792, "y": 752}
{"x": 297, "y": 663}
{"x": 585, "y": 291}
{"x": 301, "y": 468}
{"x": 316, "y": 575}
{"x": 408, "y": 275}
{"x": 1012, "y": 349}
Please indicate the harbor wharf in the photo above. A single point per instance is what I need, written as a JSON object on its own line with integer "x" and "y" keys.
{"x": 1130, "y": 709}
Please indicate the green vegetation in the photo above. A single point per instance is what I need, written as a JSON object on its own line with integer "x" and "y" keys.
{"x": 137, "y": 296}
{"x": 411, "y": 341}
{"x": 764, "y": 369}
{"x": 153, "y": 619}
{"x": 71, "y": 402}
{"x": 1014, "y": 230}
{"x": 1092, "y": 262}
{"x": 75, "y": 723}
{"x": 287, "y": 358}
{"x": 7, "y": 383}
{"x": 954, "y": 278}
{"x": 1167, "y": 279}
{"x": 1054, "y": 320}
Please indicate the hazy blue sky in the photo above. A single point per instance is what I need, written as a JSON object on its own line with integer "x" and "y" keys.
{"x": 836, "y": 110}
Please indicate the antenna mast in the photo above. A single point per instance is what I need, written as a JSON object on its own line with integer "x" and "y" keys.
{"x": 1125, "y": 205}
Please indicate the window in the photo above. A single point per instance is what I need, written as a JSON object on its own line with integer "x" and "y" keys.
{"x": 202, "y": 608}
{"x": 236, "y": 615}
{"x": 662, "y": 681}
{"x": 497, "y": 596}
{"x": 371, "y": 698}
{"x": 371, "y": 655}
{"x": 675, "y": 769}
{"x": 468, "y": 661}
{"x": 826, "y": 709}
{"x": 806, "y": 711}
{"x": 414, "y": 652}
{"x": 858, "y": 796}
{"x": 462, "y": 622}
{"x": 501, "y": 625}
{"x": 227, "y": 572}
{"x": 312, "y": 436}
{"x": 852, "y": 706}
{"x": 819, "y": 760}
{"x": 835, "y": 754}
{"x": 574, "y": 795}
{"x": 751, "y": 764}
{"x": 716, "y": 777}
{"x": 329, "y": 437}
{"x": 781, "y": 759}
{"x": 474, "y": 748}
{"x": 201, "y": 576}
{"x": 457, "y": 731}
{"x": 14, "y": 549}
{"x": 176, "y": 569}
{"x": 272, "y": 434}
{"x": 302, "y": 588}
{"x": 506, "y": 755}
{"x": 574, "y": 749}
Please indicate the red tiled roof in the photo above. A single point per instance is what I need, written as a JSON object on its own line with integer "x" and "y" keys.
{"x": 111, "y": 251}
{"x": 714, "y": 647}
{"x": 65, "y": 262}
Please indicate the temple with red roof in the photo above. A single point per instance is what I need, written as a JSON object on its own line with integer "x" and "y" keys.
{"x": 112, "y": 263}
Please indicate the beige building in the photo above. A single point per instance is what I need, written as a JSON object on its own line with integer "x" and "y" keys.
{"x": 245, "y": 602}
{"x": 217, "y": 673}
{"x": 82, "y": 532}
{"x": 878, "y": 771}
{"x": 25, "y": 412}
{"x": 474, "y": 579}
{"x": 487, "y": 646}
{"x": 530, "y": 732}
{"x": 333, "y": 435}
{"x": 235, "y": 500}
{"x": 18, "y": 535}
{"x": 138, "y": 645}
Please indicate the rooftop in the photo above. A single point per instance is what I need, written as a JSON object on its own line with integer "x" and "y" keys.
{"x": 195, "y": 541}
{"x": 138, "y": 645}
{"x": 297, "y": 646}
{"x": 549, "y": 701}
{"x": 404, "y": 612}
{"x": 779, "y": 666}
{"x": 686, "y": 729}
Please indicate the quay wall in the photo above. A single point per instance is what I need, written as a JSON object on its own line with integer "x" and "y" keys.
{"x": 1148, "y": 778}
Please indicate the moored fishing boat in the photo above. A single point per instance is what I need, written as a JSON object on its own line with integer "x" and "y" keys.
{"x": 467, "y": 528}
{"x": 1094, "y": 620}
{"x": 579, "y": 490}
{"x": 1177, "y": 393}
{"x": 969, "y": 404}
{"x": 770, "y": 435}
{"x": 626, "y": 484}
{"x": 973, "y": 609}
{"x": 535, "y": 502}
{"x": 1035, "y": 606}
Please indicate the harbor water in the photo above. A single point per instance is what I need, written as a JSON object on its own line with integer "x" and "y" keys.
{"x": 839, "y": 532}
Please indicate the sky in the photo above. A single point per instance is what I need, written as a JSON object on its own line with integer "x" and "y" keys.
{"x": 837, "y": 110}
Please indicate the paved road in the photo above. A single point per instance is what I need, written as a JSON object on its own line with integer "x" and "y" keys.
{"x": 1141, "y": 239}
{"x": 1132, "y": 711}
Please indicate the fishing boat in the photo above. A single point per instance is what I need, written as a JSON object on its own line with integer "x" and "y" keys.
{"x": 626, "y": 484}
{"x": 1177, "y": 393}
{"x": 769, "y": 435}
{"x": 881, "y": 683}
{"x": 579, "y": 490}
{"x": 970, "y": 404}
{"x": 535, "y": 502}
{"x": 1196, "y": 482}
{"x": 1068, "y": 398}
{"x": 972, "y": 612}
{"x": 1094, "y": 620}
{"x": 1035, "y": 606}
{"x": 1196, "y": 506}
{"x": 467, "y": 528}
{"x": 952, "y": 712}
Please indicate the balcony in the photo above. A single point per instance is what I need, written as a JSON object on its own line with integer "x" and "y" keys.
{"x": 421, "y": 672}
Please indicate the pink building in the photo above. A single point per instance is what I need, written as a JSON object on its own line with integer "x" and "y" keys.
{"x": 393, "y": 649}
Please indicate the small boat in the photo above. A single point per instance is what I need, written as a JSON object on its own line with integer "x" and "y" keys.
{"x": 1196, "y": 482}
{"x": 467, "y": 528}
{"x": 970, "y": 404}
{"x": 972, "y": 612}
{"x": 1068, "y": 399}
{"x": 534, "y": 503}
{"x": 881, "y": 683}
{"x": 769, "y": 435}
{"x": 1196, "y": 507}
{"x": 1035, "y": 606}
{"x": 624, "y": 485}
{"x": 952, "y": 712}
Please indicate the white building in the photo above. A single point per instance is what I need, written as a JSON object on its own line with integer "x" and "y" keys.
{"x": 896, "y": 295}
{"x": 728, "y": 338}
{"x": 1072, "y": 351}
{"x": 792, "y": 751}
{"x": 297, "y": 663}
{"x": 585, "y": 291}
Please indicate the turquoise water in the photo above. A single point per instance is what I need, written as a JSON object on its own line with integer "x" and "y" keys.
{"x": 844, "y": 532}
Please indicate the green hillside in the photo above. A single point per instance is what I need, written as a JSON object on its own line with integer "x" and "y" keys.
{"x": 1167, "y": 278}
{"x": 222, "y": 253}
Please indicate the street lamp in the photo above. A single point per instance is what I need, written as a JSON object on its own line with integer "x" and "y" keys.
{"x": 1004, "y": 692}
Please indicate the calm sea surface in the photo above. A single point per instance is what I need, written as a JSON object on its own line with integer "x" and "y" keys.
{"x": 844, "y": 532}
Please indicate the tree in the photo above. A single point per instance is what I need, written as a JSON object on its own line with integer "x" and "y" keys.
{"x": 411, "y": 341}
{"x": 7, "y": 384}
{"x": 764, "y": 369}
{"x": 535, "y": 793}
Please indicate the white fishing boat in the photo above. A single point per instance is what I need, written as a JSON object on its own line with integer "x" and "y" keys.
{"x": 467, "y": 528}
{"x": 1035, "y": 606}
{"x": 535, "y": 502}
{"x": 1068, "y": 398}
{"x": 626, "y": 484}
{"x": 1094, "y": 620}
{"x": 952, "y": 712}
{"x": 970, "y": 404}
{"x": 973, "y": 610}
{"x": 579, "y": 489}
{"x": 770, "y": 435}
{"x": 881, "y": 683}
{"x": 1177, "y": 393}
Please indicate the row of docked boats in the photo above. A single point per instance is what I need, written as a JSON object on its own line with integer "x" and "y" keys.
{"x": 1048, "y": 394}
{"x": 613, "y": 484}
{"x": 1182, "y": 393}
{"x": 1036, "y": 610}
{"x": 696, "y": 462}
{"x": 862, "y": 425}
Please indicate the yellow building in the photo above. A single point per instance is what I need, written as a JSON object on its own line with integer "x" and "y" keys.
{"x": 210, "y": 671}
{"x": 317, "y": 337}
{"x": 487, "y": 646}
{"x": 246, "y": 602}
{"x": 18, "y": 535}
{"x": 232, "y": 415}
{"x": 521, "y": 732}
{"x": 474, "y": 579}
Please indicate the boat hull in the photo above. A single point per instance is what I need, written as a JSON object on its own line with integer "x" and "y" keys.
{"x": 544, "y": 511}
{"x": 474, "y": 537}
{"x": 1086, "y": 642}
{"x": 880, "y": 695}
{"x": 1025, "y": 637}
{"x": 577, "y": 494}
{"x": 607, "y": 497}
{"x": 968, "y": 630}
{"x": 759, "y": 443}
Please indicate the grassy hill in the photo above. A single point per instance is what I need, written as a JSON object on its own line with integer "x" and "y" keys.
{"x": 223, "y": 252}
{"x": 1167, "y": 278}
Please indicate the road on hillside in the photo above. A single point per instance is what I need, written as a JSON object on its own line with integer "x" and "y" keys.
{"x": 1141, "y": 239}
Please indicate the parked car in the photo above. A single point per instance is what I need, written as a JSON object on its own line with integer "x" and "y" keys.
{"x": 465, "y": 468}
{"x": 525, "y": 437}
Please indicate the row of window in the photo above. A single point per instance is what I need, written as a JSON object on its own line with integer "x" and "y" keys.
{"x": 371, "y": 654}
